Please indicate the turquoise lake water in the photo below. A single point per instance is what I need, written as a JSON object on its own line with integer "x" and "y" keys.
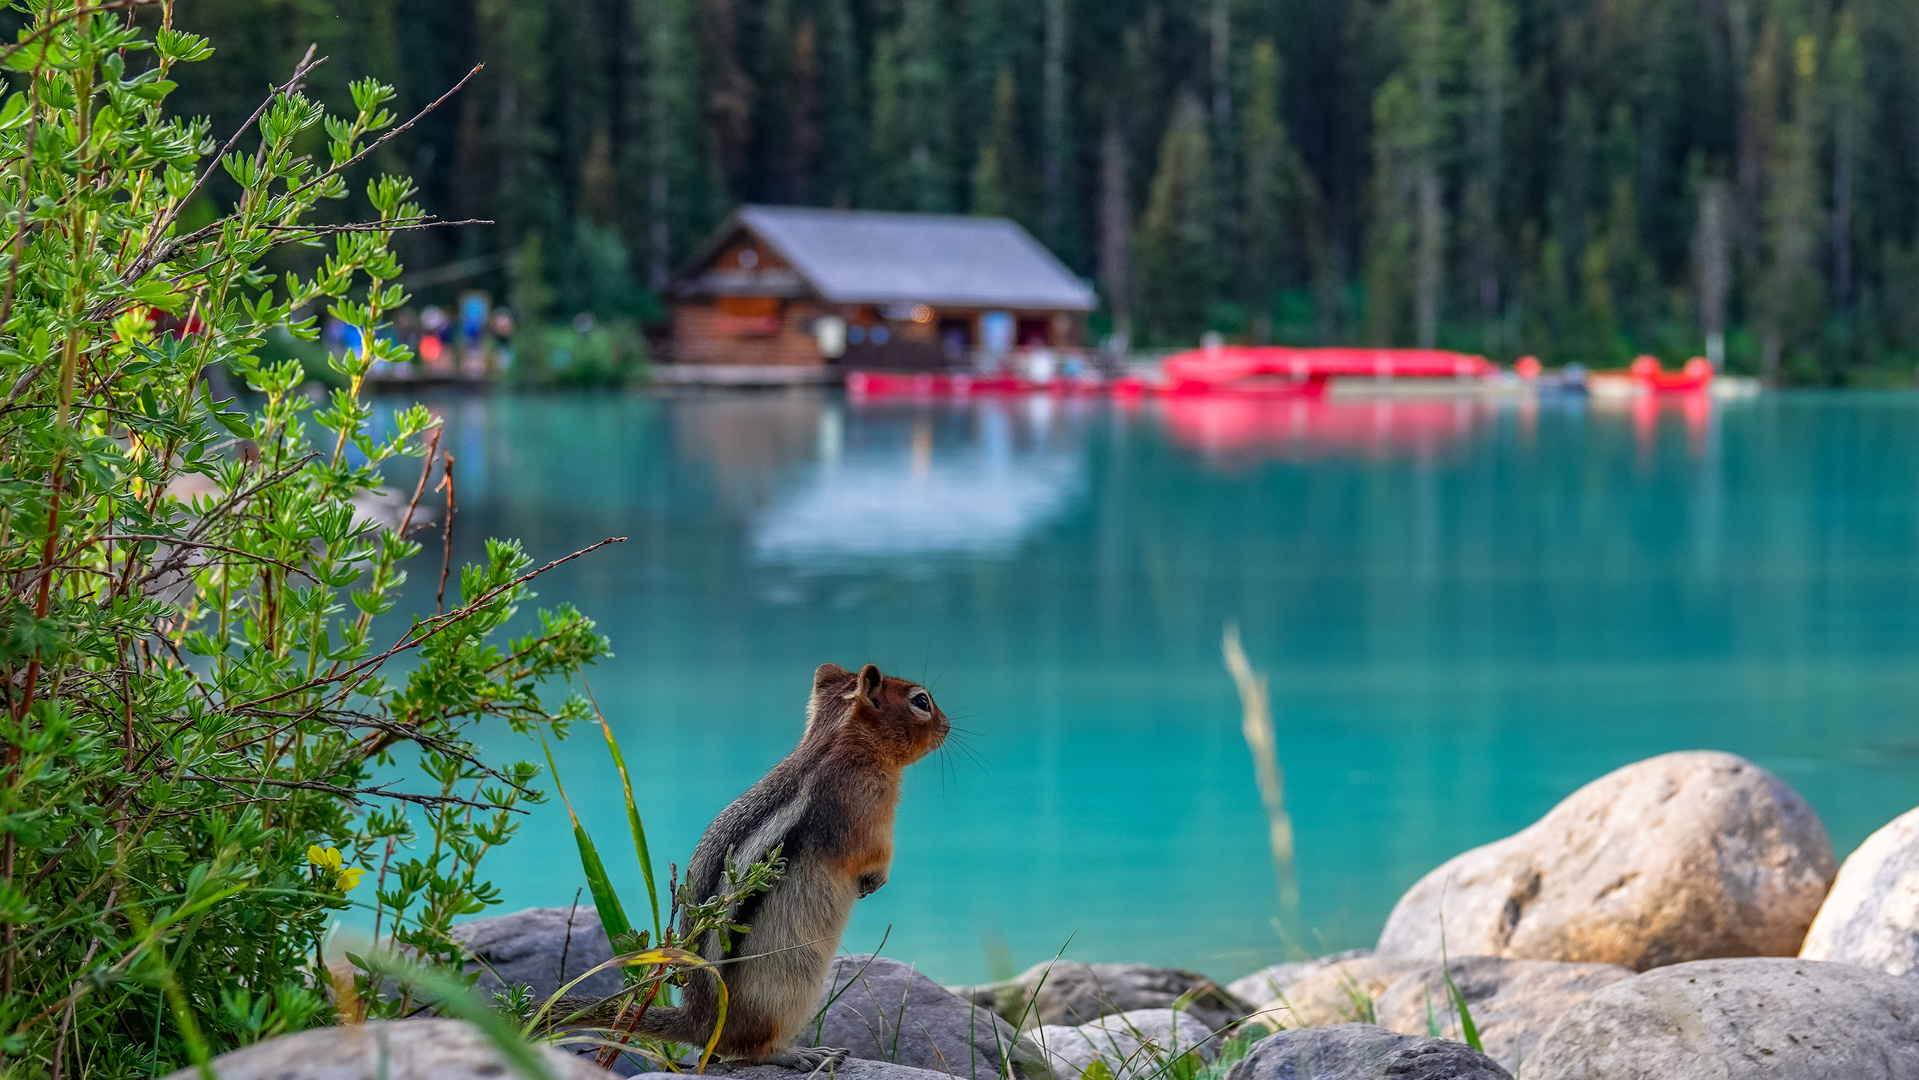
{"x": 1466, "y": 609}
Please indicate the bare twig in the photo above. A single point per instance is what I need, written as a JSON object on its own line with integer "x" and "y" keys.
{"x": 420, "y": 632}
{"x": 254, "y": 556}
{"x": 151, "y": 251}
{"x": 389, "y": 136}
{"x": 446, "y": 531}
{"x": 426, "y": 470}
{"x": 424, "y": 221}
{"x": 20, "y": 384}
{"x": 238, "y": 495}
{"x": 352, "y": 794}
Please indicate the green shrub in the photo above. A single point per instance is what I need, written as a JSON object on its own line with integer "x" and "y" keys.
{"x": 195, "y": 704}
{"x": 607, "y": 354}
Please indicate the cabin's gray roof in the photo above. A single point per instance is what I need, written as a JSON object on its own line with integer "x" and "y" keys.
{"x": 870, "y": 257}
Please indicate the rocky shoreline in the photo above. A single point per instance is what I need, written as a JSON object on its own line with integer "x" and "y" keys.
{"x": 1682, "y": 916}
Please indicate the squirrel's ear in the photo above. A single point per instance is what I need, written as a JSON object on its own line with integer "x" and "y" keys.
{"x": 870, "y": 682}
{"x": 827, "y": 674}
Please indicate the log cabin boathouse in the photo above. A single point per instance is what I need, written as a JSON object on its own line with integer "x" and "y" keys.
{"x": 794, "y": 294}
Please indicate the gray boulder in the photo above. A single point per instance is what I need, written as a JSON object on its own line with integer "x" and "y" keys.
{"x": 1066, "y": 993}
{"x": 1337, "y": 992}
{"x": 1363, "y": 1052}
{"x": 1871, "y": 917}
{"x": 883, "y": 1010}
{"x": 1684, "y": 856}
{"x": 1748, "y": 1019}
{"x": 541, "y": 947}
{"x": 1512, "y": 1002}
{"x": 850, "y": 1069}
{"x": 1132, "y": 1044}
{"x": 1268, "y": 983}
{"x": 430, "y": 1049}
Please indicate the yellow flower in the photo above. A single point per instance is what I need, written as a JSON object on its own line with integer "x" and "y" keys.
{"x": 344, "y": 877}
{"x": 324, "y": 858}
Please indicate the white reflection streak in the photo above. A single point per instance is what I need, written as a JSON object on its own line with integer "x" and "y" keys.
{"x": 981, "y": 500}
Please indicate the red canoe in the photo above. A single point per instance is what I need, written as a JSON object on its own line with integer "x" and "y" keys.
{"x": 929, "y": 384}
{"x": 1229, "y": 362}
{"x": 1237, "y": 370}
{"x": 1696, "y": 375}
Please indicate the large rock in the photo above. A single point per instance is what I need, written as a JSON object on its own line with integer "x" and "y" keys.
{"x": 1338, "y": 992}
{"x": 543, "y": 948}
{"x": 1750, "y": 1019}
{"x": 432, "y": 1049}
{"x": 850, "y": 1069}
{"x": 883, "y": 1010}
{"x": 1512, "y": 1002}
{"x": 1133, "y": 1044}
{"x": 1363, "y": 1052}
{"x": 1685, "y": 856}
{"x": 1268, "y": 983}
{"x": 1067, "y": 993}
{"x": 1871, "y": 917}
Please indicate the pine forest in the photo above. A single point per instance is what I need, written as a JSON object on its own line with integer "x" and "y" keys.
{"x": 1581, "y": 180}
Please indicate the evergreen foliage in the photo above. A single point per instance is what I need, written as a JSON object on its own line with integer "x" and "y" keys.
{"x": 1579, "y": 179}
{"x": 200, "y": 734}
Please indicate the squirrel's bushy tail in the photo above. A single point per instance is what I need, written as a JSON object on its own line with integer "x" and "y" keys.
{"x": 676, "y": 1022}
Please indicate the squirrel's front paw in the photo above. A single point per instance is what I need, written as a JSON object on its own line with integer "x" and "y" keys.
{"x": 810, "y": 1058}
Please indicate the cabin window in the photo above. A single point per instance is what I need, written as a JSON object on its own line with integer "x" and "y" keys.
{"x": 747, "y": 315}
{"x": 956, "y": 337}
{"x": 1034, "y": 332}
{"x": 748, "y": 307}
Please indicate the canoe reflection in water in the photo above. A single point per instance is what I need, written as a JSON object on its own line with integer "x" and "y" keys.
{"x": 1237, "y": 431}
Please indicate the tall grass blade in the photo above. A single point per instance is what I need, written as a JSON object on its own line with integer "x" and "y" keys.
{"x": 1256, "y": 723}
{"x": 632, "y": 816}
{"x": 1468, "y": 1030}
{"x": 612, "y": 915}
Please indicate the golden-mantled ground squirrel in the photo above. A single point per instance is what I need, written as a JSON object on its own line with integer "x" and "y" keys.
{"x": 829, "y": 808}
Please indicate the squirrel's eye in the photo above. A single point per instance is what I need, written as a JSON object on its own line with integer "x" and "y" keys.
{"x": 921, "y": 702}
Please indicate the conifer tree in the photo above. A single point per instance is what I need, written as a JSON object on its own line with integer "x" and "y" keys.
{"x": 1397, "y": 144}
{"x": 1489, "y": 75}
{"x": 671, "y": 133}
{"x": 1179, "y": 267}
{"x": 1409, "y": 232}
{"x": 1115, "y": 227}
{"x": 1000, "y": 167}
{"x": 1846, "y": 71}
{"x": 888, "y": 181}
{"x": 1789, "y": 294}
{"x": 1268, "y": 166}
{"x": 843, "y": 129}
{"x": 1714, "y": 259}
{"x": 1053, "y": 136}
{"x": 731, "y": 96}
{"x": 924, "y": 106}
